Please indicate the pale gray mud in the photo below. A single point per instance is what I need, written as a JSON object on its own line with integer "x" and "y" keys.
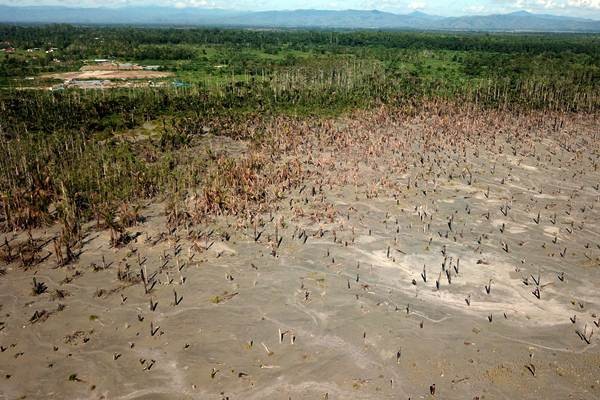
{"x": 459, "y": 251}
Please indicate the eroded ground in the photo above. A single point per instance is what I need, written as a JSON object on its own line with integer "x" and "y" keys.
{"x": 461, "y": 251}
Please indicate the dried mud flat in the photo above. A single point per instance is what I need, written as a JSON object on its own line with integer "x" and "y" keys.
{"x": 461, "y": 251}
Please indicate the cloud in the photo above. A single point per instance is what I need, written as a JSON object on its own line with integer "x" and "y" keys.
{"x": 241, "y": 4}
{"x": 476, "y": 9}
{"x": 193, "y": 3}
{"x": 417, "y": 5}
{"x": 593, "y": 4}
{"x": 573, "y": 5}
{"x": 580, "y": 8}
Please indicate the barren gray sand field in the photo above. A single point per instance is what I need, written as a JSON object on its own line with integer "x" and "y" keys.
{"x": 424, "y": 256}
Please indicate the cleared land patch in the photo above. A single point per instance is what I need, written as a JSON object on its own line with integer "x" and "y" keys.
{"x": 109, "y": 74}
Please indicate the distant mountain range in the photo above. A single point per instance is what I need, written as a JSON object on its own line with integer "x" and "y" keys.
{"x": 521, "y": 21}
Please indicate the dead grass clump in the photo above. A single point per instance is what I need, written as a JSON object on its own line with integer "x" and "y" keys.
{"x": 177, "y": 214}
{"x": 6, "y": 252}
{"x": 244, "y": 185}
{"x": 118, "y": 235}
{"x": 129, "y": 215}
{"x": 29, "y": 253}
{"x": 26, "y": 207}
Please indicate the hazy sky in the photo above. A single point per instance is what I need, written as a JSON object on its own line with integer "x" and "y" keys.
{"x": 583, "y": 8}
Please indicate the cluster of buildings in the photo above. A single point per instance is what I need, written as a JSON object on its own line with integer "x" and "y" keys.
{"x": 6, "y": 47}
{"x": 102, "y": 64}
{"x": 105, "y": 84}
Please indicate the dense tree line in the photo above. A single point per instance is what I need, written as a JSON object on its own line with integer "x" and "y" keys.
{"x": 125, "y": 39}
